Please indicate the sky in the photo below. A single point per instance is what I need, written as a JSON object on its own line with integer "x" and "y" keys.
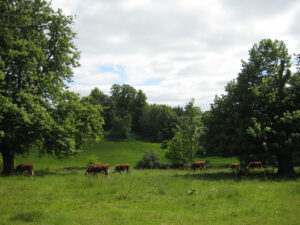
{"x": 173, "y": 50}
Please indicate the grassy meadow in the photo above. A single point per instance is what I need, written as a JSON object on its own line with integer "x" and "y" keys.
{"x": 59, "y": 193}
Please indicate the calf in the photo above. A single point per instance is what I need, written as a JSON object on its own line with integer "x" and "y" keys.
{"x": 94, "y": 169}
{"x": 122, "y": 167}
{"x": 253, "y": 165}
{"x": 178, "y": 165}
{"x": 234, "y": 166}
{"x": 196, "y": 165}
{"x": 28, "y": 167}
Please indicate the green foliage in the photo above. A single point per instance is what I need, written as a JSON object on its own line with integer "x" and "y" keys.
{"x": 250, "y": 120}
{"x": 97, "y": 97}
{"x": 154, "y": 122}
{"x": 175, "y": 151}
{"x": 36, "y": 47}
{"x": 186, "y": 142}
{"x": 123, "y": 98}
{"x": 158, "y": 123}
{"x": 36, "y": 62}
{"x": 150, "y": 160}
{"x": 124, "y": 102}
{"x": 81, "y": 121}
{"x": 121, "y": 127}
{"x": 139, "y": 106}
{"x": 127, "y": 100}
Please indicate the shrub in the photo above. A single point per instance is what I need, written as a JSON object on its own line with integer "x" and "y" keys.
{"x": 150, "y": 160}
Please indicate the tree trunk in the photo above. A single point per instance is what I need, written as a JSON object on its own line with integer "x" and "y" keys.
{"x": 285, "y": 164}
{"x": 8, "y": 163}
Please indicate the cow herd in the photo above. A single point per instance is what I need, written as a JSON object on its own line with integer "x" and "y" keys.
{"x": 94, "y": 169}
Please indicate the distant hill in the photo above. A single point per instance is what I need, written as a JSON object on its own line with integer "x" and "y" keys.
{"x": 107, "y": 151}
{"x": 112, "y": 152}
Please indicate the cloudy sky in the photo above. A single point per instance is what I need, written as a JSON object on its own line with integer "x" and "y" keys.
{"x": 174, "y": 50}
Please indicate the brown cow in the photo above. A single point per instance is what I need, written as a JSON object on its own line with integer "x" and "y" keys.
{"x": 178, "y": 165}
{"x": 234, "y": 166}
{"x": 196, "y": 165}
{"x": 98, "y": 168}
{"x": 122, "y": 167}
{"x": 253, "y": 165}
{"x": 20, "y": 169}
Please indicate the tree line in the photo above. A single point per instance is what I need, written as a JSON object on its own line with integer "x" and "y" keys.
{"x": 126, "y": 111}
{"x": 258, "y": 117}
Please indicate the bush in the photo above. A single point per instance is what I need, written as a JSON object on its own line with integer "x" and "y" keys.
{"x": 150, "y": 160}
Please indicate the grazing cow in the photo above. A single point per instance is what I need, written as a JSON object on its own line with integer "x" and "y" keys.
{"x": 253, "y": 165}
{"x": 98, "y": 168}
{"x": 25, "y": 167}
{"x": 234, "y": 166}
{"x": 122, "y": 167}
{"x": 196, "y": 165}
{"x": 178, "y": 165}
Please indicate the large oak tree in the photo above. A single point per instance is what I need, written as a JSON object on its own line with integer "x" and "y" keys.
{"x": 37, "y": 55}
{"x": 258, "y": 117}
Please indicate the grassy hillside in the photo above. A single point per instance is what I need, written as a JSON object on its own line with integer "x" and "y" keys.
{"x": 112, "y": 152}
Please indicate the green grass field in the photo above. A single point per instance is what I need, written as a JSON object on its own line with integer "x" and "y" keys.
{"x": 60, "y": 195}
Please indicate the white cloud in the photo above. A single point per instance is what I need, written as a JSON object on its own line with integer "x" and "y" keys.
{"x": 194, "y": 46}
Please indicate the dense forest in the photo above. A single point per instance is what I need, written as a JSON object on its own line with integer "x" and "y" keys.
{"x": 258, "y": 118}
{"x": 126, "y": 111}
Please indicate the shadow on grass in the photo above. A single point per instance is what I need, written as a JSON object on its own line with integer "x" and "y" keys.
{"x": 73, "y": 168}
{"x": 237, "y": 176}
{"x": 46, "y": 172}
{"x": 132, "y": 137}
{"x": 58, "y": 171}
{"x": 33, "y": 216}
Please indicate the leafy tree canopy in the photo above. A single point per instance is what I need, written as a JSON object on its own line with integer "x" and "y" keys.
{"x": 158, "y": 122}
{"x": 37, "y": 55}
{"x": 187, "y": 140}
{"x": 251, "y": 120}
